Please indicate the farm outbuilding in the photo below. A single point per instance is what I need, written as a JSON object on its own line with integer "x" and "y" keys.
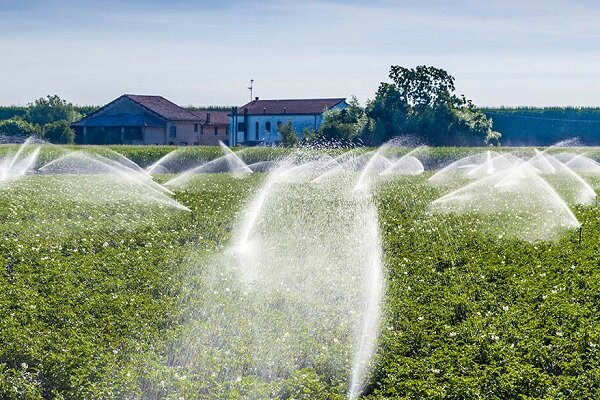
{"x": 152, "y": 120}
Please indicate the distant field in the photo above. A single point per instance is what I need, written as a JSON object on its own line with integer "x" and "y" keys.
{"x": 432, "y": 157}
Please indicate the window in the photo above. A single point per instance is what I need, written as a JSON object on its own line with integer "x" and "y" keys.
{"x": 172, "y": 131}
{"x": 256, "y": 130}
{"x": 201, "y": 129}
{"x": 268, "y": 126}
{"x": 216, "y": 130}
{"x": 240, "y": 127}
{"x": 195, "y": 127}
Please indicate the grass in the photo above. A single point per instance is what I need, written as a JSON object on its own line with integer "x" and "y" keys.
{"x": 92, "y": 295}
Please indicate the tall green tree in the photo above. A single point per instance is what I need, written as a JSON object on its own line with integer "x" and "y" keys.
{"x": 51, "y": 109}
{"x": 421, "y": 102}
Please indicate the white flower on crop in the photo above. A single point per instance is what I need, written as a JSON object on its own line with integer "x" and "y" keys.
{"x": 453, "y": 334}
{"x": 505, "y": 308}
{"x": 420, "y": 318}
{"x": 559, "y": 333}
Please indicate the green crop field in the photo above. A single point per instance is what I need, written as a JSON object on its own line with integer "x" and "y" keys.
{"x": 96, "y": 296}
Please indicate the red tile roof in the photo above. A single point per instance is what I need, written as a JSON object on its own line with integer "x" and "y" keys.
{"x": 216, "y": 117}
{"x": 290, "y": 106}
{"x": 163, "y": 107}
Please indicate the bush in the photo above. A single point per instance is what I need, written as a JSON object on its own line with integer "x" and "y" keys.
{"x": 59, "y": 132}
{"x": 51, "y": 109}
{"x": 288, "y": 135}
{"x": 18, "y": 127}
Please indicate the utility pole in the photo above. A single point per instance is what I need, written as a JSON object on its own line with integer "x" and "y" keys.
{"x": 250, "y": 89}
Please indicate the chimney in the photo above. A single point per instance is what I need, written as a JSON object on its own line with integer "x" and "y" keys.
{"x": 256, "y": 98}
{"x": 264, "y": 110}
{"x": 208, "y": 118}
{"x": 284, "y": 110}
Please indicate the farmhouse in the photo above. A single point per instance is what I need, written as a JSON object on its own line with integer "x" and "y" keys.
{"x": 257, "y": 121}
{"x": 141, "y": 119}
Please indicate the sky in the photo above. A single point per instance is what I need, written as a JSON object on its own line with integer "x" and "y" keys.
{"x": 501, "y": 52}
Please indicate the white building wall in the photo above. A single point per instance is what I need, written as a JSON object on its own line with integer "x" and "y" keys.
{"x": 262, "y": 122}
{"x": 299, "y": 123}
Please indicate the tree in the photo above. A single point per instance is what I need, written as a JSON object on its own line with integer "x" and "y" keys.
{"x": 51, "y": 109}
{"x": 18, "y": 127}
{"x": 59, "y": 132}
{"x": 390, "y": 111}
{"x": 288, "y": 135}
{"x": 423, "y": 86}
{"x": 421, "y": 102}
{"x": 343, "y": 125}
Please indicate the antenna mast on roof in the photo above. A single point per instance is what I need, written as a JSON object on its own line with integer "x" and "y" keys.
{"x": 250, "y": 89}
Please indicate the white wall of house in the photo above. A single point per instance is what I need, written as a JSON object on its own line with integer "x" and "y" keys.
{"x": 263, "y": 128}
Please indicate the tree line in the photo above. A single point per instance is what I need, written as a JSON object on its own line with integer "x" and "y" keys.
{"x": 48, "y": 117}
{"x": 545, "y": 126}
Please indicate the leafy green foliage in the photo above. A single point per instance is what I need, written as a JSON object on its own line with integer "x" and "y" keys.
{"x": 93, "y": 298}
{"x": 288, "y": 135}
{"x": 545, "y": 125}
{"x": 59, "y": 132}
{"x": 87, "y": 290}
{"x": 8, "y": 112}
{"x": 209, "y": 108}
{"x": 421, "y": 102}
{"x": 474, "y": 316}
{"x": 346, "y": 125}
{"x": 18, "y": 127}
{"x": 51, "y": 109}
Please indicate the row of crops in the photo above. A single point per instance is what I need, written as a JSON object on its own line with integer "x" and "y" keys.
{"x": 96, "y": 296}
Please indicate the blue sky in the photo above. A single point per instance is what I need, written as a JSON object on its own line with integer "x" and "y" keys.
{"x": 524, "y": 52}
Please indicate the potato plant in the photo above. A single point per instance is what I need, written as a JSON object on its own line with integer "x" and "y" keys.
{"x": 95, "y": 298}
